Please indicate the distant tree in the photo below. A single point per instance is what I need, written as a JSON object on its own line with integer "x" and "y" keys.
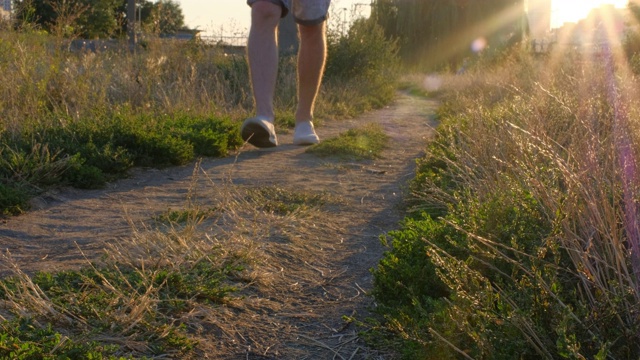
{"x": 166, "y": 17}
{"x": 101, "y": 20}
{"x": 35, "y": 12}
{"x": 92, "y": 19}
{"x": 85, "y": 18}
{"x": 162, "y": 17}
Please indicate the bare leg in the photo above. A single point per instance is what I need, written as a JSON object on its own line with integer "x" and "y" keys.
{"x": 263, "y": 55}
{"x": 311, "y": 61}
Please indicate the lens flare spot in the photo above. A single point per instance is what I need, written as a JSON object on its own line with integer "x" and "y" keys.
{"x": 432, "y": 82}
{"x": 478, "y": 44}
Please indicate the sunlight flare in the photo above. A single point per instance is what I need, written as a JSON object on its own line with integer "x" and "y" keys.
{"x": 564, "y": 11}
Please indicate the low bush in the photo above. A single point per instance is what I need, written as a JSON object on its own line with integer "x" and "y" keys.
{"x": 87, "y": 154}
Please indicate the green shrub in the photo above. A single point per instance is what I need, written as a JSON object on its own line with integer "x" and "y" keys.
{"x": 23, "y": 339}
{"x": 88, "y": 154}
{"x": 361, "y": 71}
{"x": 405, "y": 276}
{"x": 410, "y": 285}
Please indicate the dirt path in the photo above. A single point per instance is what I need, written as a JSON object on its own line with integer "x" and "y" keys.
{"x": 313, "y": 270}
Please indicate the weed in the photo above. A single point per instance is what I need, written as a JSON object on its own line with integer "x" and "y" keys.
{"x": 24, "y": 339}
{"x": 183, "y": 216}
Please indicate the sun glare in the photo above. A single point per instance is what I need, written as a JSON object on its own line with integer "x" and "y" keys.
{"x": 573, "y": 10}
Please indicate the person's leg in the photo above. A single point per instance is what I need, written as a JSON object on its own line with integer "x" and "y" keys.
{"x": 311, "y": 17}
{"x": 263, "y": 55}
{"x": 311, "y": 59}
{"x": 263, "y": 66}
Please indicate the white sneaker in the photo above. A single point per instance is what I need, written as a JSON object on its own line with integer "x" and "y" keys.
{"x": 304, "y": 134}
{"x": 259, "y": 132}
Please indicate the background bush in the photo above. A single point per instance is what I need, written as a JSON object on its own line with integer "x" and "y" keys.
{"x": 361, "y": 70}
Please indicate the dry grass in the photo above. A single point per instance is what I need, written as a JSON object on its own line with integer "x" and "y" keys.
{"x": 560, "y": 135}
{"x": 268, "y": 255}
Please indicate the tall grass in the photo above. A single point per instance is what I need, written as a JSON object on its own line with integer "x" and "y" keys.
{"x": 523, "y": 240}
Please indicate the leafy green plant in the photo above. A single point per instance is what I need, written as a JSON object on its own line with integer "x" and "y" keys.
{"x": 13, "y": 198}
{"x": 23, "y": 339}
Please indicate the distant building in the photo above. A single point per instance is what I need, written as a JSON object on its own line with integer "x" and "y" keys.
{"x": 183, "y": 34}
{"x": 5, "y": 10}
{"x": 288, "y": 35}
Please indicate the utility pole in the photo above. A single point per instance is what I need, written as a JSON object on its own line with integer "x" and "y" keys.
{"x": 131, "y": 23}
{"x": 344, "y": 20}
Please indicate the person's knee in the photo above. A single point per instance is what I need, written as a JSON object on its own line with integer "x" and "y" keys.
{"x": 265, "y": 13}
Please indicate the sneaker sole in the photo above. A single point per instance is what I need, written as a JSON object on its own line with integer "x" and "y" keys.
{"x": 257, "y": 136}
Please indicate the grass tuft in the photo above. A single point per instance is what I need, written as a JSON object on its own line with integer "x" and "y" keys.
{"x": 283, "y": 202}
{"x": 366, "y": 142}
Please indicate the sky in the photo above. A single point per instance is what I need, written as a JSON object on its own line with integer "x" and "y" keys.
{"x": 231, "y": 17}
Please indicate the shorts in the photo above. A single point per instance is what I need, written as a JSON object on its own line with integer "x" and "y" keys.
{"x": 305, "y": 12}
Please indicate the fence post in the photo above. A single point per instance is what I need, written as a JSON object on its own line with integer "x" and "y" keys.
{"x": 131, "y": 23}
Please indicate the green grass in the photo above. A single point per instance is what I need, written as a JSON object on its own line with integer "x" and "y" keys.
{"x": 366, "y": 142}
{"x": 115, "y": 301}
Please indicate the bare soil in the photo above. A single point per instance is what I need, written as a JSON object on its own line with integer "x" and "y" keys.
{"x": 305, "y": 277}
